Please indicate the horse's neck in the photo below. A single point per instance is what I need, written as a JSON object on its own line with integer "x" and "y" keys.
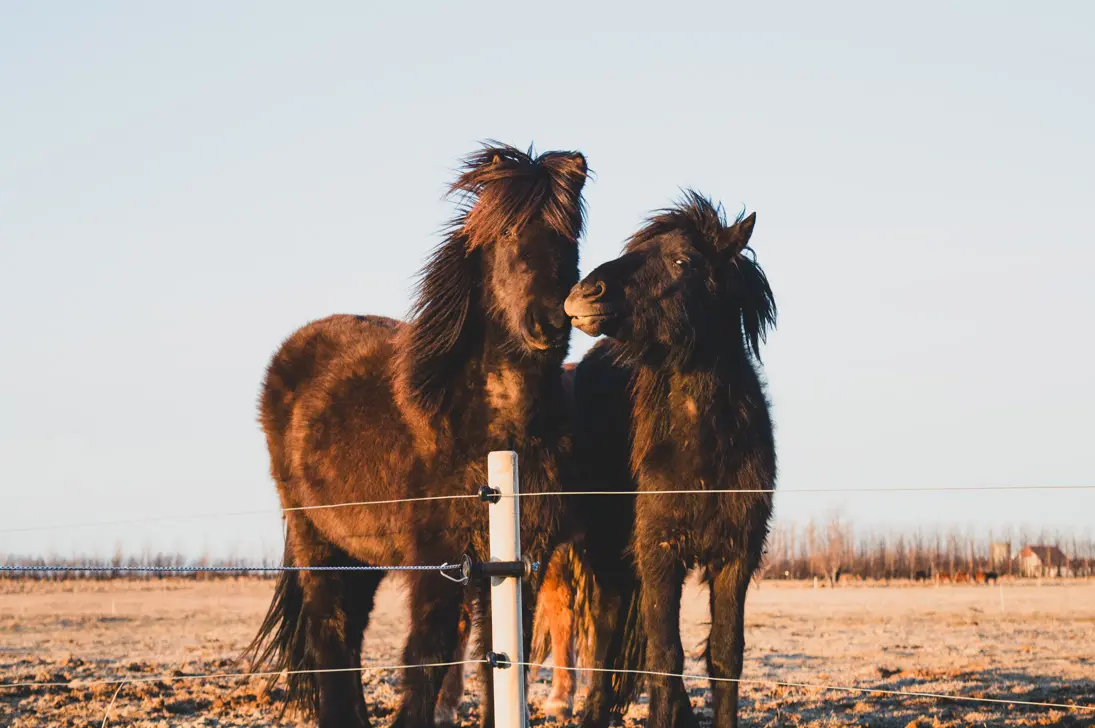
{"x": 520, "y": 397}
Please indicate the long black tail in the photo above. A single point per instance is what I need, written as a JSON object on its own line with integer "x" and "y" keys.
{"x": 631, "y": 655}
{"x": 282, "y": 644}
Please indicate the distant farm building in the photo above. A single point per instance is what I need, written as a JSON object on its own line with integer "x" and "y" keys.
{"x": 1000, "y": 556}
{"x": 1047, "y": 561}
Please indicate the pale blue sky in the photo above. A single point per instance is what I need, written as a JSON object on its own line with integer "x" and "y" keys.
{"x": 182, "y": 185}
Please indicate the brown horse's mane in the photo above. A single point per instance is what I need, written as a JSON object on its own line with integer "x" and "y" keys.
{"x": 500, "y": 190}
{"x": 750, "y": 299}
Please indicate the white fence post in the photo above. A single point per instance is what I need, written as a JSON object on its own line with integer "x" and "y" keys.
{"x": 505, "y": 593}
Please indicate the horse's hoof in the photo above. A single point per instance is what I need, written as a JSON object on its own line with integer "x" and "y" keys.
{"x": 559, "y": 708}
{"x": 446, "y": 718}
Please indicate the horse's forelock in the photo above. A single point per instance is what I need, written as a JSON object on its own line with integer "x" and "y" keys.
{"x": 504, "y": 189}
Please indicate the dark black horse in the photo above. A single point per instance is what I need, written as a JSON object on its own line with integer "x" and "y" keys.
{"x": 367, "y": 408}
{"x": 672, "y": 402}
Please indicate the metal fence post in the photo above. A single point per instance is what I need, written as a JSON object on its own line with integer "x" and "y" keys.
{"x": 505, "y": 593}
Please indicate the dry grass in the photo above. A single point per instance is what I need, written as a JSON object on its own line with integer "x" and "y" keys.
{"x": 1020, "y": 641}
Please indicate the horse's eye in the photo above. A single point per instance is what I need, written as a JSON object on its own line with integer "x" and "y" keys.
{"x": 682, "y": 262}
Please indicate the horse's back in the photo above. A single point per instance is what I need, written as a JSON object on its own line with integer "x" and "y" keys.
{"x": 298, "y": 366}
{"x": 307, "y": 354}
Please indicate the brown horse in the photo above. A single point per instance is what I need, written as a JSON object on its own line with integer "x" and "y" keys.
{"x": 366, "y": 408}
{"x": 679, "y": 403}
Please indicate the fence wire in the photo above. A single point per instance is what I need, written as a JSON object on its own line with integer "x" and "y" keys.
{"x": 232, "y": 514}
{"x": 818, "y": 686}
{"x": 541, "y": 494}
{"x": 78, "y": 684}
{"x": 713, "y": 491}
{"x": 443, "y": 568}
{"x": 55, "y": 568}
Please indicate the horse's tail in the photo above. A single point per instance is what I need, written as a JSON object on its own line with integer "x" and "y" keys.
{"x": 282, "y": 643}
{"x": 585, "y": 610}
{"x": 631, "y": 658}
{"x": 571, "y": 580}
{"x": 540, "y": 643}
{"x": 569, "y": 568}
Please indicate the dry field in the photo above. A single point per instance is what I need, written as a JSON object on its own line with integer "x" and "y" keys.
{"x": 1021, "y": 642}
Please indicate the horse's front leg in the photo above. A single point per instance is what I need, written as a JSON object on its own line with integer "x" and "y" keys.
{"x": 483, "y": 645}
{"x": 726, "y": 645}
{"x": 435, "y": 626}
{"x": 662, "y": 575}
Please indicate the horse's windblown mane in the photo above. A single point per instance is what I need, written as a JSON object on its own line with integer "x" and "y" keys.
{"x": 500, "y": 189}
{"x": 503, "y": 188}
{"x": 744, "y": 285}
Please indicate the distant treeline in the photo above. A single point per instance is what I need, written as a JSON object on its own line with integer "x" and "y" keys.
{"x": 93, "y": 567}
{"x": 835, "y": 548}
{"x": 831, "y": 550}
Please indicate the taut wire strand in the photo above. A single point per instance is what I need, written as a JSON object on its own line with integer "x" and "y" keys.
{"x": 228, "y": 675}
{"x": 462, "y": 496}
{"x": 818, "y": 686}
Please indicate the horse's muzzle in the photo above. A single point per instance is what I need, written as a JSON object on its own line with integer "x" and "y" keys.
{"x": 545, "y": 332}
{"x": 588, "y": 309}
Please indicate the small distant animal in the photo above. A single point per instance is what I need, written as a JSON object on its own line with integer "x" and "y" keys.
{"x": 922, "y": 575}
{"x": 991, "y": 576}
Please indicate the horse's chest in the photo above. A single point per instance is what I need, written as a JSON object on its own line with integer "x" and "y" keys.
{"x": 694, "y": 457}
{"x": 692, "y": 452}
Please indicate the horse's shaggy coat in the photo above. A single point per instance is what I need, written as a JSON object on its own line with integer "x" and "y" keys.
{"x": 674, "y": 401}
{"x": 366, "y": 408}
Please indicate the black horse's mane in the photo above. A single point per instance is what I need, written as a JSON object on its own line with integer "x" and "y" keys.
{"x": 500, "y": 190}
{"x": 748, "y": 295}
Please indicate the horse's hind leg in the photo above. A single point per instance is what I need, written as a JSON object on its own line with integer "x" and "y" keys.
{"x": 435, "y": 604}
{"x": 452, "y": 688}
{"x": 726, "y": 645}
{"x": 336, "y": 612}
{"x": 614, "y": 599}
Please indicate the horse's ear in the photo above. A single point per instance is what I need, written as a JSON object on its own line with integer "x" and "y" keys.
{"x": 577, "y": 163}
{"x": 570, "y": 167}
{"x": 732, "y": 240}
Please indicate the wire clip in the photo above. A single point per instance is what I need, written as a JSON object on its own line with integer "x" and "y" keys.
{"x": 522, "y": 569}
{"x": 498, "y": 660}
{"x": 488, "y": 494}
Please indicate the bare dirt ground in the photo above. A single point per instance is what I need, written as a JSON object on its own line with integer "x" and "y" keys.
{"x": 1016, "y": 642}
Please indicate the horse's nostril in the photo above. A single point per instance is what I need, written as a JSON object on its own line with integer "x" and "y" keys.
{"x": 532, "y": 322}
{"x": 598, "y": 291}
{"x": 558, "y": 320}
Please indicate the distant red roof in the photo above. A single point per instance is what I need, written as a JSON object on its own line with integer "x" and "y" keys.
{"x": 1048, "y": 555}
